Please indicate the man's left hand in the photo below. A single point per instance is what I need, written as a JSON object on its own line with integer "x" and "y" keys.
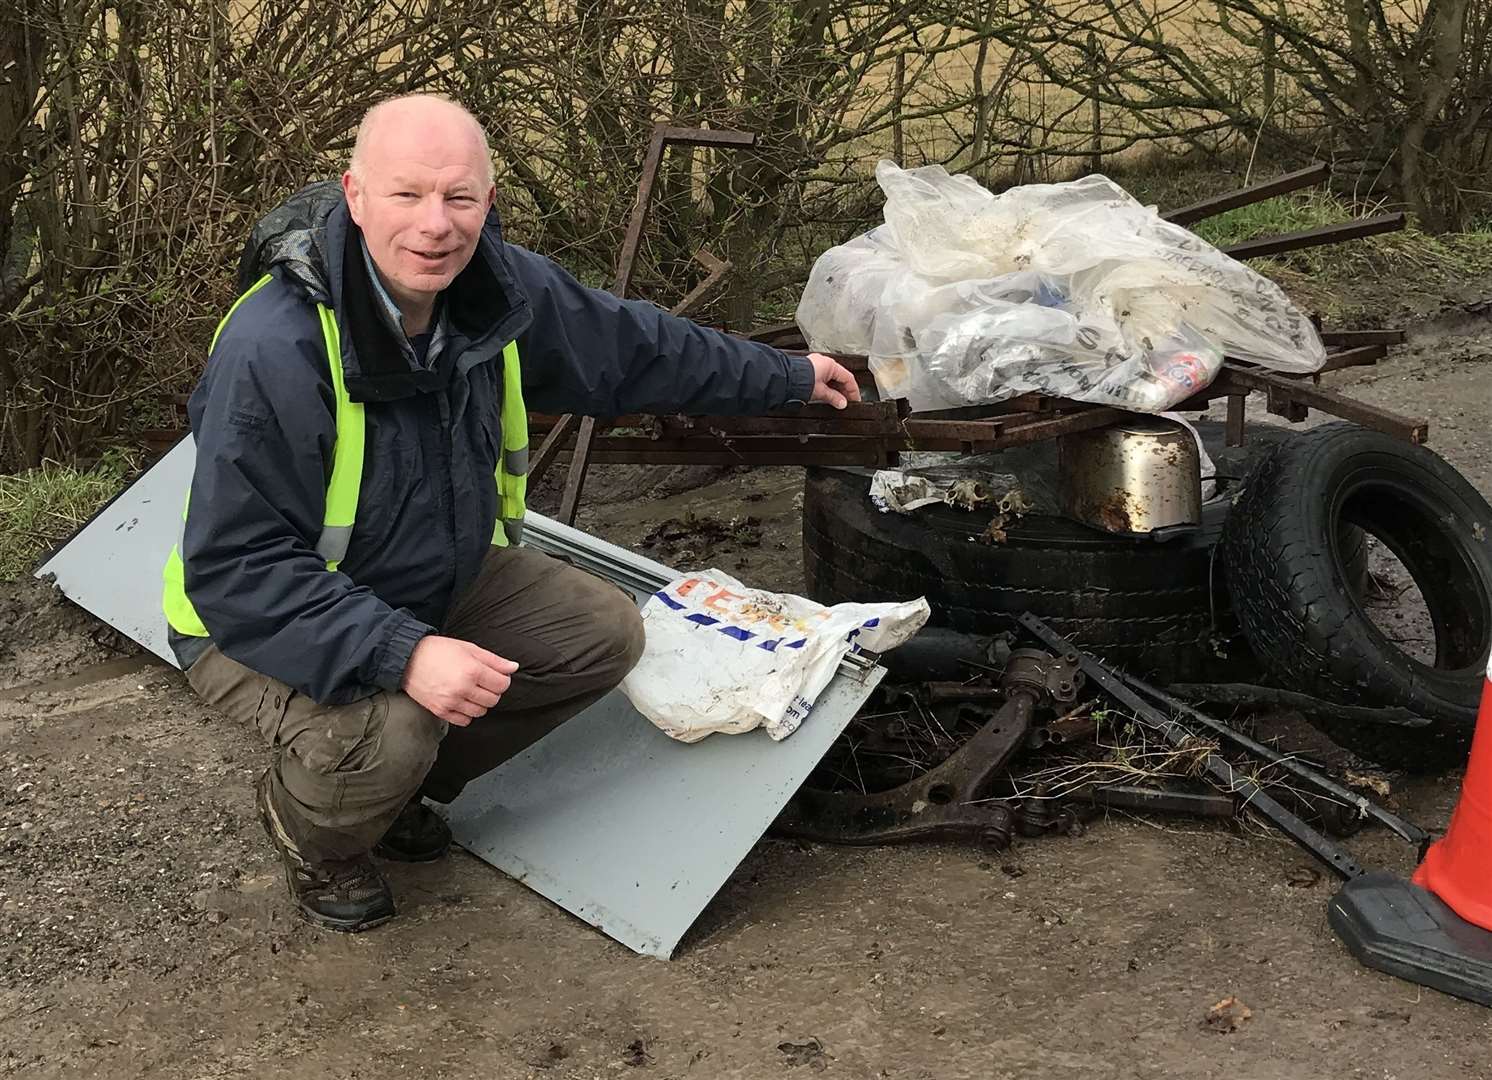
{"x": 833, "y": 383}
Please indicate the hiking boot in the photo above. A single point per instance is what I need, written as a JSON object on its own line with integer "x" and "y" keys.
{"x": 418, "y": 834}
{"x": 343, "y": 894}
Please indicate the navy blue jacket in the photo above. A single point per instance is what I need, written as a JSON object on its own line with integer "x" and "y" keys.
{"x": 264, "y": 423}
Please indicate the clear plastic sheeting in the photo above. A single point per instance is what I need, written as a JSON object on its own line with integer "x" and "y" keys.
{"x": 1076, "y": 290}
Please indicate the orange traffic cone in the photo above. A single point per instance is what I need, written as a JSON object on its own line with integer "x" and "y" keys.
{"x": 1458, "y": 867}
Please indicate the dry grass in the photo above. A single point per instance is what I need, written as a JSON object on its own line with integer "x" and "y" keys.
{"x": 44, "y": 506}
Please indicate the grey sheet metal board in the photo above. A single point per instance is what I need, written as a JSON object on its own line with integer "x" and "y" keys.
{"x": 632, "y": 831}
{"x": 607, "y": 816}
{"x": 112, "y": 566}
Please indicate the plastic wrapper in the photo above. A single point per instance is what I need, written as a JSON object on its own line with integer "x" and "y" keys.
{"x": 904, "y": 492}
{"x": 722, "y": 658}
{"x": 1076, "y": 290}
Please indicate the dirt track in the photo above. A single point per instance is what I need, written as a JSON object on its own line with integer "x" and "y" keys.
{"x": 144, "y": 929}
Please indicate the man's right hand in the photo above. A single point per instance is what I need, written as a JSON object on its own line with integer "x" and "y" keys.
{"x": 456, "y": 680}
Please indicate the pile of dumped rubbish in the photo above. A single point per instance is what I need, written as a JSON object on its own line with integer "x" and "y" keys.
{"x": 1076, "y": 290}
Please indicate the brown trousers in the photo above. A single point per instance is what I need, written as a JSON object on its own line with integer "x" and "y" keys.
{"x": 341, "y": 773}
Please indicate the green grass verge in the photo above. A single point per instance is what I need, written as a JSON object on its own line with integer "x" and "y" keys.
{"x": 44, "y": 506}
{"x": 1429, "y": 262}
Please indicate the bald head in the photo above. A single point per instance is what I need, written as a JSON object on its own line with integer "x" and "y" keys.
{"x": 419, "y": 121}
{"x": 419, "y": 188}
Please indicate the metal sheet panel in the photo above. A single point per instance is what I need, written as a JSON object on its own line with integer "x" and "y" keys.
{"x": 112, "y": 565}
{"x": 606, "y": 816}
{"x": 632, "y": 831}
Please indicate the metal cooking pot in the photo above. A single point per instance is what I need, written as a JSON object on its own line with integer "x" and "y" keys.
{"x": 1133, "y": 478}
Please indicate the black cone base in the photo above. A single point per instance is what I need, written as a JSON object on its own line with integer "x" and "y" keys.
{"x": 1395, "y": 926}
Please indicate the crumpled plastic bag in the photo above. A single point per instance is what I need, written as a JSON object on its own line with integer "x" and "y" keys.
{"x": 721, "y": 657}
{"x": 1076, "y": 290}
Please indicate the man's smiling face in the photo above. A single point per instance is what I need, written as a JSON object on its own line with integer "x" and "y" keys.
{"x": 420, "y": 190}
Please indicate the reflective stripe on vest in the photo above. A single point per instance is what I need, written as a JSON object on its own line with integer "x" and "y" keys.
{"x": 343, "y": 488}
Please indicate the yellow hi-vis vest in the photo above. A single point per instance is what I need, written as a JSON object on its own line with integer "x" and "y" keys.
{"x": 347, "y": 471}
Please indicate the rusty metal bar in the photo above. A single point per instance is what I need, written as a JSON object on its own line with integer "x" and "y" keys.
{"x": 1352, "y": 338}
{"x": 945, "y": 431}
{"x": 580, "y": 459}
{"x": 718, "y": 269}
{"x": 1050, "y": 427}
{"x": 761, "y": 450}
{"x": 663, "y": 136}
{"x": 560, "y": 432}
{"x": 772, "y": 425}
{"x": 1290, "y": 398}
{"x": 1362, "y": 356}
{"x": 860, "y": 365}
{"x": 868, "y": 457}
{"x": 1024, "y": 403}
{"x": 1156, "y": 800}
{"x": 688, "y": 136}
{"x": 856, "y": 418}
{"x": 1309, "y": 238}
{"x": 1236, "y": 434}
{"x": 779, "y": 335}
{"x": 641, "y": 205}
{"x": 1280, "y": 185}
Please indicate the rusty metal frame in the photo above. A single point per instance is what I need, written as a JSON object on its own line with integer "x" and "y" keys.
{"x": 875, "y": 433}
{"x": 1309, "y": 238}
{"x": 1280, "y": 185}
{"x": 663, "y": 137}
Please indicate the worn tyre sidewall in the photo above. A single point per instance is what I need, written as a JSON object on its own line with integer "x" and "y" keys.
{"x": 1151, "y": 605}
{"x": 1289, "y": 587}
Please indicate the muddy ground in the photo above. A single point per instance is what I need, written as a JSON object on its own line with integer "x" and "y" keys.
{"x": 144, "y": 930}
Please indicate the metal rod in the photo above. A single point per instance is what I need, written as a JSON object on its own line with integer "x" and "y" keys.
{"x": 1332, "y": 855}
{"x": 1237, "y": 433}
{"x": 933, "y": 434}
{"x": 1359, "y": 356}
{"x": 641, "y": 205}
{"x": 1280, "y": 185}
{"x": 548, "y": 453}
{"x": 663, "y": 136}
{"x": 1249, "y": 694}
{"x": 1283, "y": 392}
{"x": 953, "y": 691}
{"x": 1309, "y": 238}
{"x": 1350, "y": 338}
{"x": 867, "y": 455}
{"x": 1157, "y": 800}
{"x": 882, "y": 414}
{"x": 718, "y": 270}
{"x": 1413, "y": 833}
{"x": 575, "y": 477}
{"x": 683, "y": 136}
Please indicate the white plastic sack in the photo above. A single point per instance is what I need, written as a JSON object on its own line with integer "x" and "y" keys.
{"x": 721, "y": 657}
{"x": 1077, "y": 290}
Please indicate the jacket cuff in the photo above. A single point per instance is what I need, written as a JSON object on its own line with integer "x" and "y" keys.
{"x": 800, "y": 380}
{"x": 393, "y": 657}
